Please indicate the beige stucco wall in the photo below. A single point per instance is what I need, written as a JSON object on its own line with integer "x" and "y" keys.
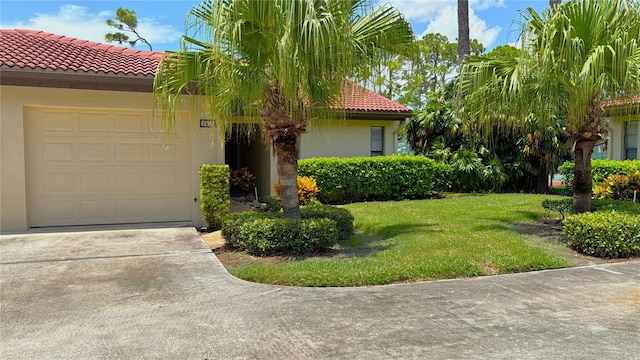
{"x": 346, "y": 138}
{"x": 13, "y": 196}
{"x": 615, "y": 129}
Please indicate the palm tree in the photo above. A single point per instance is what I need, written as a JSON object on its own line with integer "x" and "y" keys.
{"x": 282, "y": 61}
{"x": 553, "y": 3}
{"x": 464, "y": 44}
{"x": 577, "y": 55}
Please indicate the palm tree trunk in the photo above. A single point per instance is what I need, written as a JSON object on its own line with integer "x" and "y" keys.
{"x": 553, "y": 3}
{"x": 582, "y": 184}
{"x": 464, "y": 44}
{"x": 283, "y": 134}
{"x": 287, "y": 164}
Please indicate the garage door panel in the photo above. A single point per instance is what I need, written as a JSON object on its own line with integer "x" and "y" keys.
{"x": 130, "y": 123}
{"x": 97, "y": 181}
{"x": 46, "y": 181}
{"x": 159, "y": 152}
{"x": 58, "y": 151}
{"x": 130, "y": 151}
{"x": 97, "y": 211}
{"x": 102, "y": 167}
{"x": 58, "y": 182}
{"x": 166, "y": 207}
{"x": 58, "y": 121}
{"x": 89, "y": 122}
{"x": 95, "y": 151}
{"x": 52, "y": 212}
{"x": 131, "y": 181}
{"x": 131, "y": 208}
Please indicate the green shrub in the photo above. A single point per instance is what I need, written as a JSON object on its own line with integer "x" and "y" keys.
{"x": 267, "y": 233}
{"x": 215, "y": 198}
{"x": 273, "y": 203}
{"x": 606, "y": 234}
{"x": 342, "y": 217}
{"x": 619, "y": 186}
{"x": 601, "y": 169}
{"x": 563, "y": 206}
{"x": 343, "y": 180}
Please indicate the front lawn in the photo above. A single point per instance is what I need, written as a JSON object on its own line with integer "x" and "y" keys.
{"x": 406, "y": 241}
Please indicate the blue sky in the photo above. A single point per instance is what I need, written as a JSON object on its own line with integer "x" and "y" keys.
{"x": 493, "y": 22}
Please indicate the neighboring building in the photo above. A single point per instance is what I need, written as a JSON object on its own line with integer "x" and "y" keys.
{"x": 79, "y": 144}
{"x": 623, "y": 129}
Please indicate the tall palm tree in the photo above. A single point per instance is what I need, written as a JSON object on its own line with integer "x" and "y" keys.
{"x": 576, "y": 56}
{"x": 282, "y": 61}
{"x": 464, "y": 43}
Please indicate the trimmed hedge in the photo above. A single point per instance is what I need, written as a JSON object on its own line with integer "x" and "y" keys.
{"x": 342, "y": 217}
{"x": 601, "y": 169}
{"x": 606, "y": 234}
{"x": 215, "y": 198}
{"x": 264, "y": 233}
{"x": 343, "y": 180}
{"x": 267, "y": 233}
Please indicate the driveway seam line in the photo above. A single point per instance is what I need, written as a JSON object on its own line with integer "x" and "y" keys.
{"x": 106, "y": 257}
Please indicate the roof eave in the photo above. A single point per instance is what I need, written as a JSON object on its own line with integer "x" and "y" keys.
{"x": 377, "y": 115}
{"x": 76, "y": 80}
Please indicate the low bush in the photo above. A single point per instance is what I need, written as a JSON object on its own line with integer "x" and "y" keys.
{"x": 344, "y": 180}
{"x": 215, "y": 198}
{"x": 342, "y": 217}
{"x": 273, "y": 203}
{"x": 264, "y": 233}
{"x": 607, "y": 234}
{"x": 619, "y": 186}
{"x": 563, "y": 206}
{"x": 601, "y": 169}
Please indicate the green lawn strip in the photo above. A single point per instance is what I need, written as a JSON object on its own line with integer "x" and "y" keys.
{"x": 424, "y": 240}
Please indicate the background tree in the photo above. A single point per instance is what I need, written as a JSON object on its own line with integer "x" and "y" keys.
{"x": 575, "y": 57}
{"x": 126, "y": 20}
{"x": 464, "y": 45}
{"x": 282, "y": 61}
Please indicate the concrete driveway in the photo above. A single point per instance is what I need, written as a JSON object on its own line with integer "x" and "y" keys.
{"x": 160, "y": 293}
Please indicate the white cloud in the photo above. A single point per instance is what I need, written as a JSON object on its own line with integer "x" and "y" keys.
{"x": 446, "y": 23}
{"x": 441, "y": 16}
{"x": 77, "y": 21}
{"x": 485, "y": 4}
{"x": 420, "y": 11}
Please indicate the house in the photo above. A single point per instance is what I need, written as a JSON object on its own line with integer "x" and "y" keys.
{"x": 622, "y": 128}
{"x": 80, "y": 143}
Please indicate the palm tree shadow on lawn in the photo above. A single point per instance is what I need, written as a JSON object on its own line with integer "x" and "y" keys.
{"x": 358, "y": 246}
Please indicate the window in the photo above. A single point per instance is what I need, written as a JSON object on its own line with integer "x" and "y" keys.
{"x": 377, "y": 141}
{"x": 631, "y": 140}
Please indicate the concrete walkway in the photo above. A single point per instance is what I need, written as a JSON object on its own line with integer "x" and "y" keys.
{"x": 162, "y": 294}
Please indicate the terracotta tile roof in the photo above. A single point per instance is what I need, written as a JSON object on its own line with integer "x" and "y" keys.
{"x": 357, "y": 98}
{"x": 622, "y": 101}
{"x": 37, "y": 50}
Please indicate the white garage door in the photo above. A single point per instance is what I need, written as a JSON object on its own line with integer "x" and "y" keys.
{"x": 104, "y": 167}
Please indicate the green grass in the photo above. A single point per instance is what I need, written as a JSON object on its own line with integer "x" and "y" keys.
{"x": 408, "y": 241}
